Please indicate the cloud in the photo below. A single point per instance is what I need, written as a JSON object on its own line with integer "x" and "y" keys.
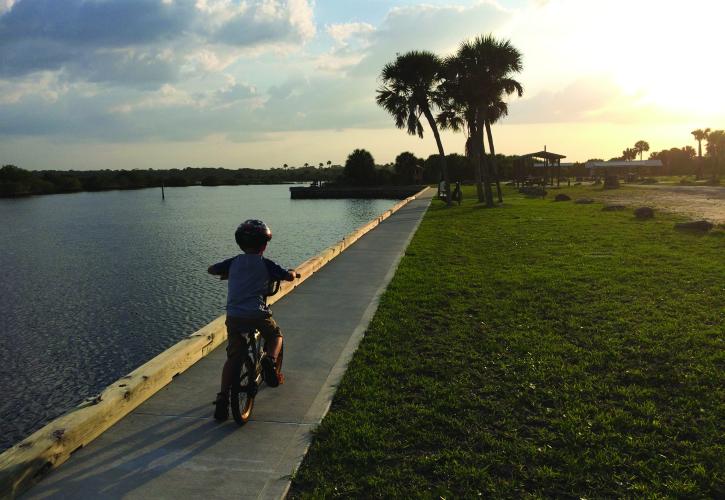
{"x": 439, "y": 29}
{"x": 130, "y": 41}
{"x": 594, "y": 99}
{"x": 343, "y": 32}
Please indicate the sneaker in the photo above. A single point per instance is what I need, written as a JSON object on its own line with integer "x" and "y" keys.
{"x": 271, "y": 376}
{"x": 221, "y": 412}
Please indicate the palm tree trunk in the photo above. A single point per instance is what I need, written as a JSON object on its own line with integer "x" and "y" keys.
{"x": 493, "y": 161}
{"x": 473, "y": 158}
{"x": 485, "y": 177}
{"x": 444, "y": 166}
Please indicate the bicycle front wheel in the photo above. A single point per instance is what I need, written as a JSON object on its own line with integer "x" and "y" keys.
{"x": 244, "y": 388}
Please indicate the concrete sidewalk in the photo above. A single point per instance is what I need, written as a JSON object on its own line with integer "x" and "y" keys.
{"x": 171, "y": 447}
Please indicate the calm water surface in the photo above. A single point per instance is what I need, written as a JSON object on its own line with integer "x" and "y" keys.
{"x": 95, "y": 284}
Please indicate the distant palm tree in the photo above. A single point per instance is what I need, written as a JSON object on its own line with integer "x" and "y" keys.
{"x": 307, "y": 164}
{"x": 321, "y": 164}
{"x": 640, "y": 147}
{"x": 285, "y": 166}
{"x": 410, "y": 90}
{"x": 329, "y": 162}
{"x": 629, "y": 154}
{"x": 699, "y": 136}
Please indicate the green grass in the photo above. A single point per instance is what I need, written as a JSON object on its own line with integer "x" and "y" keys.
{"x": 538, "y": 349}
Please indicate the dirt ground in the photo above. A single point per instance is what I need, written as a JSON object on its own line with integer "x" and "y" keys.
{"x": 696, "y": 202}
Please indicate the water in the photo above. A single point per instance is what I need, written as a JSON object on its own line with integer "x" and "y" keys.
{"x": 95, "y": 284}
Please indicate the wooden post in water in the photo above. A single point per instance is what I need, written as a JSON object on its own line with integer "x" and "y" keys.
{"x": 162, "y": 191}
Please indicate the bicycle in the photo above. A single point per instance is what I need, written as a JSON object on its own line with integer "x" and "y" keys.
{"x": 248, "y": 376}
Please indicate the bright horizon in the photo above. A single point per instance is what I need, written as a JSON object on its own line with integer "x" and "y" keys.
{"x": 220, "y": 83}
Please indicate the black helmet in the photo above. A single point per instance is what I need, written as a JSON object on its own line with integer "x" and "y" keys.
{"x": 252, "y": 233}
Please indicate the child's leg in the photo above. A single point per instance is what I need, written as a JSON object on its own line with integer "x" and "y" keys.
{"x": 272, "y": 346}
{"x": 236, "y": 346}
{"x": 272, "y": 336}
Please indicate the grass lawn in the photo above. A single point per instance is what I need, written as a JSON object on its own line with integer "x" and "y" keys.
{"x": 536, "y": 349}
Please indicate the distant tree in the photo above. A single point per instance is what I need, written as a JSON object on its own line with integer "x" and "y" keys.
{"x": 307, "y": 164}
{"x": 410, "y": 90}
{"x": 689, "y": 151}
{"x": 329, "y": 162}
{"x": 640, "y": 147}
{"x": 699, "y": 136}
{"x": 716, "y": 150}
{"x": 629, "y": 154}
{"x": 321, "y": 164}
{"x": 285, "y": 166}
{"x": 360, "y": 168}
{"x": 406, "y": 166}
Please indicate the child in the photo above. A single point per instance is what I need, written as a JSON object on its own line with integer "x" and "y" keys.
{"x": 249, "y": 276}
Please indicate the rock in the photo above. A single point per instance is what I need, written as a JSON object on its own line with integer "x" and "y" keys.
{"x": 562, "y": 197}
{"x": 533, "y": 191}
{"x": 611, "y": 182}
{"x": 695, "y": 225}
{"x": 584, "y": 201}
{"x": 644, "y": 213}
{"x": 613, "y": 208}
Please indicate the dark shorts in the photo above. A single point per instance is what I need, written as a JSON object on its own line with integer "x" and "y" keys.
{"x": 237, "y": 328}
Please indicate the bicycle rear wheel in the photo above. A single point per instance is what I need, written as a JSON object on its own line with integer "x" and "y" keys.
{"x": 244, "y": 388}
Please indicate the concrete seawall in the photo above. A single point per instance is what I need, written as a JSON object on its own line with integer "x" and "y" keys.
{"x": 28, "y": 461}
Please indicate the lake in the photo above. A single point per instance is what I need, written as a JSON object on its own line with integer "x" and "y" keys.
{"x": 95, "y": 284}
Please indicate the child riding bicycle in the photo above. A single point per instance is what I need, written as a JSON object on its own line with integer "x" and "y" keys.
{"x": 249, "y": 276}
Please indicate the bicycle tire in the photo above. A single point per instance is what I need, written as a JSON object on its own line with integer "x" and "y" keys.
{"x": 243, "y": 391}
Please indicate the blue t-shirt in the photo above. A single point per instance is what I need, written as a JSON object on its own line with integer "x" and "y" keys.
{"x": 249, "y": 279}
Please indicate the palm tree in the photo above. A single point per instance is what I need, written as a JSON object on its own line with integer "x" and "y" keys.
{"x": 477, "y": 81}
{"x": 699, "y": 135}
{"x": 409, "y": 90}
{"x": 640, "y": 147}
{"x": 629, "y": 154}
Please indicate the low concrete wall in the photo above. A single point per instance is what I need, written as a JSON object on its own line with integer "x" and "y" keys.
{"x": 28, "y": 461}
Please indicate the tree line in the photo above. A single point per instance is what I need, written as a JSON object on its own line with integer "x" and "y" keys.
{"x": 685, "y": 160}
{"x": 15, "y": 181}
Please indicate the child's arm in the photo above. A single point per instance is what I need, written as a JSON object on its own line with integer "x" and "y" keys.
{"x": 220, "y": 268}
{"x": 277, "y": 273}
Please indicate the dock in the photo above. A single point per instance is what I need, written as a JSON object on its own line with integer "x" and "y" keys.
{"x": 171, "y": 447}
{"x": 343, "y": 192}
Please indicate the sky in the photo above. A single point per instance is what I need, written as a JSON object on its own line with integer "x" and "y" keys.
{"x": 96, "y": 84}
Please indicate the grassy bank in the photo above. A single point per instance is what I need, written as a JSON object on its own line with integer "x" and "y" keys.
{"x": 536, "y": 349}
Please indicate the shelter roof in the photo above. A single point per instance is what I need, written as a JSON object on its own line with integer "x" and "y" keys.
{"x": 544, "y": 154}
{"x": 623, "y": 164}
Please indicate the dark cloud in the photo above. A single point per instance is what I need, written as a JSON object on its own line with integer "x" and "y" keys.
{"x": 99, "y": 23}
{"x": 118, "y": 41}
{"x": 42, "y": 35}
